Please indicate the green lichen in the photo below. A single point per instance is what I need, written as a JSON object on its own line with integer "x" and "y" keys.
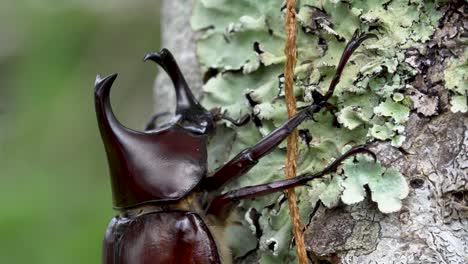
{"x": 456, "y": 80}
{"x": 244, "y": 41}
{"x": 387, "y": 186}
{"x": 352, "y": 117}
{"x": 459, "y": 104}
{"x": 382, "y": 132}
{"x": 398, "y": 112}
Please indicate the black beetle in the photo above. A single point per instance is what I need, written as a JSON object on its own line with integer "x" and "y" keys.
{"x": 160, "y": 181}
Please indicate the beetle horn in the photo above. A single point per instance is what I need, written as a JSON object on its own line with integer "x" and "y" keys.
{"x": 185, "y": 99}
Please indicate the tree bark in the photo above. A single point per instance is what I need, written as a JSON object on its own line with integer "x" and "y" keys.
{"x": 432, "y": 226}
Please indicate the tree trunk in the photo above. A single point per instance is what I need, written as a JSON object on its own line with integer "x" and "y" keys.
{"x": 432, "y": 225}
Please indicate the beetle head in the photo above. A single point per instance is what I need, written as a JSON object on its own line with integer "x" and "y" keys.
{"x": 161, "y": 165}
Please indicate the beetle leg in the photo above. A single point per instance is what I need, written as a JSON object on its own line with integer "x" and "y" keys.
{"x": 223, "y": 203}
{"x": 245, "y": 160}
{"x": 352, "y": 45}
{"x": 218, "y": 115}
{"x": 243, "y": 120}
{"x": 152, "y": 124}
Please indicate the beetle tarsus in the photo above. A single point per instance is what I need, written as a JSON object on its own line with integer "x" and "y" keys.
{"x": 219, "y": 115}
{"x": 355, "y": 41}
{"x": 364, "y": 149}
{"x": 243, "y": 120}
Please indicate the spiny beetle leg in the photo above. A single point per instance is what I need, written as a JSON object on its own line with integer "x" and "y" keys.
{"x": 222, "y": 204}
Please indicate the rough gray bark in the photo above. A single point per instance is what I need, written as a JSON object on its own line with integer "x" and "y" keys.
{"x": 432, "y": 226}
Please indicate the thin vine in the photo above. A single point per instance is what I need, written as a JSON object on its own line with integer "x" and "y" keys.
{"x": 291, "y": 156}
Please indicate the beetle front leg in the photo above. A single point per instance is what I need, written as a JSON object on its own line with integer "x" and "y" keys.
{"x": 222, "y": 204}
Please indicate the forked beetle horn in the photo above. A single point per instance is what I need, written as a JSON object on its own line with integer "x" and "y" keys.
{"x": 185, "y": 99}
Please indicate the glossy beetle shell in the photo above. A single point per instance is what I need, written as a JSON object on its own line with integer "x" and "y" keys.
{"x": 161, "y": 237}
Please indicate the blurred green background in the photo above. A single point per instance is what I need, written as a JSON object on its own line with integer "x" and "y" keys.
{"x": 54, "y": 189}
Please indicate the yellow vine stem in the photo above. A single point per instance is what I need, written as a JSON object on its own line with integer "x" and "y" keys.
{"x": 291, "y": 156}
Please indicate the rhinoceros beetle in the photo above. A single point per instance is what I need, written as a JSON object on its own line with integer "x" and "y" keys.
{"x": 167, "y": 199}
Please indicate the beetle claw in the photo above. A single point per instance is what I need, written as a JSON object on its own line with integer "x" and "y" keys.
{"x": 361, "y": 149}
{"x": 359, "y": 37}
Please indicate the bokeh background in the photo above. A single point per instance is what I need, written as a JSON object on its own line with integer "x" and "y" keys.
{"x": 54, "y": 188}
